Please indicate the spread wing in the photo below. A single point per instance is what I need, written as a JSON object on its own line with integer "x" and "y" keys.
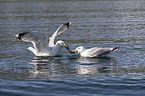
{"x": 38, "y": 39}
{"x": 60, "y": 29}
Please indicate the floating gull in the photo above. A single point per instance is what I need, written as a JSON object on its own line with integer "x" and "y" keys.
{"x": 39, "y": 41}
{"x": 92, "y": 52}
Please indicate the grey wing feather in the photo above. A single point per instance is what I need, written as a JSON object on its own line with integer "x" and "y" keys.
{"x": 29, "y": 36}
{"x": 63, "y": 28}
{"x": 99, "y": 51}
{"x": 60, "y": 29}
{"x": 38, "y": 39}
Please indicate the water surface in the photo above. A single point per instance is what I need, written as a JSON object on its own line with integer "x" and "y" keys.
{"x": 94, "y": 23}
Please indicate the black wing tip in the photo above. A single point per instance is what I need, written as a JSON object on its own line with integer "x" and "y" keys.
{"x": 115, "y": 48}
{"x": 19, "y": 36}
{"x": 68, "y": 24}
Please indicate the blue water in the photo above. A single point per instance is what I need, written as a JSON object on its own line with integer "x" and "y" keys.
{"x": 94, "y": 24}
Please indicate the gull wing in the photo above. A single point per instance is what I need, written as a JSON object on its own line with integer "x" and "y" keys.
{"x": 38, "y": 39}
{"x": 60, "y": 29}
{"x": 93, "y": 52}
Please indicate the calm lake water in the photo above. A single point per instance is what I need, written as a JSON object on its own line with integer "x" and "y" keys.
{"x": 94, "y": 23}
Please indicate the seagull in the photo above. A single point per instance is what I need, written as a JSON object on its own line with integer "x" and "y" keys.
{"x": 39, "y": 41}
{"x": 92, "y": 52}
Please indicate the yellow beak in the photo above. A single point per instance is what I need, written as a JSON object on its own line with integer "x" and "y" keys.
{"x": 74, "y": 50}
{"x": 66, "y": 46}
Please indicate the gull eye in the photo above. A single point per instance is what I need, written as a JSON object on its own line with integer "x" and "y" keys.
{"x": 62, "y": 43}
{"x": 79, "y": 48}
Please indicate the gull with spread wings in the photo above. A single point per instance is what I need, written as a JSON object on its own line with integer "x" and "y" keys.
{"x": 39, "y": 41}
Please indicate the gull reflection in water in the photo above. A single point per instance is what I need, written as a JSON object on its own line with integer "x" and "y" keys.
{"x": 57, "y": 67}
{"x": 49, "y": 66}
{"x": 92, "y": 66}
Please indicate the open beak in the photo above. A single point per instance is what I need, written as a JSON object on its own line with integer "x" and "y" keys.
{"x": 72, "y": 52}
{"x": 66, "y": 46}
